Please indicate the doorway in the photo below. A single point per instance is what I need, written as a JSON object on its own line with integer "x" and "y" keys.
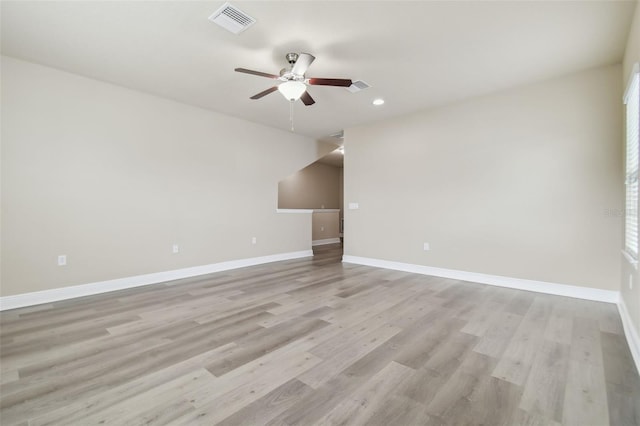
{"x": 319, "y": 187}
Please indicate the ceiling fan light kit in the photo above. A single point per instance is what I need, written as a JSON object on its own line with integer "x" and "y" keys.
{"x": 292, "y": 90}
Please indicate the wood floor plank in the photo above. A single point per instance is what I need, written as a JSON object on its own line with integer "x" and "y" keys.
{"x": 399, "y": 410}
{"x": 313, "y": 341}
{"x": 269, "y": 406}
{"x": 53, "y": 370}
{"x": 158, "y": 404}
{"x": 362, "y": 404}
{"x": 348, "y": 337}
{"x": 516, "y": 361}
{"x": 83, "y": 352}
{"x": 545, "y": 387}
{"x": 622, "y": 380}
{"x": 255, "y": 345}
{"x": 485, "y": 315}
{"x": 332, "y": 366}
{"x": 497, "y": 338}
{"x": 460, "y": 386}
{"x": 492, "y": 402}
{"x": 450, "y": 353}
{"x": 525, "y": 418}
{"x": 9, "y": 376}
{"x": 609, "y": 319}
{"x": 214, "y": 409}
{"x": 111, "y": 372}
{"x": 84, "y": 407}
{"x": 425, "y": 384}
{"x": 428, "y": 340}
{"x": 560, "y": 325}
{"x": 617, "y": 361}
{"x": 624, "y": 406}
{"x": 585, "y": 400}
{"x": 310, "y": 409}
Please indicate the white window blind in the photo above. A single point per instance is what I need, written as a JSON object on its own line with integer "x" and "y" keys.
{"x": 632, "y": 100}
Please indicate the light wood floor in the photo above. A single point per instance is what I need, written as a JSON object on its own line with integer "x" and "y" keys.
{"x": 313, "y": 341}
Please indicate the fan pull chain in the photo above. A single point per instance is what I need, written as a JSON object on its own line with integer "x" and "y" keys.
{"x": 291, "y": 114}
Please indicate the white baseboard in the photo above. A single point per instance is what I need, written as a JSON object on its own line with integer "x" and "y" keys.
{"x": 325, "y": 241}
{"x": 516, "y": 283}
{"x": 53, "y": 295}
{"x": 630, "y": 332}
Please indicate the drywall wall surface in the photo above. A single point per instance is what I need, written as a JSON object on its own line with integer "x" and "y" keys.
{"x": 524, "y": 183}
{"x": 325, "y": 225}
{"x": 632, "y": 50}
{"x": 316, "y": 186}
{"x": 113, "y": 178}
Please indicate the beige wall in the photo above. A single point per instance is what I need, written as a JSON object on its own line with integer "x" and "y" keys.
{"x": 632, "y": 51}
{"x": 513, "y": 184}
{"x": 631, "y": 296}
{"x": 325, "y": 225}
{"x": 113, "y": 177}
{"x": 317, "y": 186}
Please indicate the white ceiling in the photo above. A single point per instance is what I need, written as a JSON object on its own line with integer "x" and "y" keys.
{"x": 415, "y": 54}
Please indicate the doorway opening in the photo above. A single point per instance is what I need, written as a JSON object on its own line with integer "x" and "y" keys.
{"x": 319, "y": 187}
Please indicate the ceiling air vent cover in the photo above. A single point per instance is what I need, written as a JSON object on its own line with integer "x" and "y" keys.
{"x": 232, "y": 19}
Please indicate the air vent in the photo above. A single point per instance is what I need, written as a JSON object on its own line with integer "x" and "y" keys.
{"x": 357, "y": 86}
{"x": 232, "y": 19}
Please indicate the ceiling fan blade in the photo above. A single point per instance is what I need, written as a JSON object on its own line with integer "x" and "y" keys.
{"x": 307, "y": 99}
{"x": 340, "y": 82}
{"x": 265, "y": 92}
{"x": 261, "y": 74}
{"x": 302, "y": 63}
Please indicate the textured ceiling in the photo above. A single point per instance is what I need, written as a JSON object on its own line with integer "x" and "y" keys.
{"x": 414, "y": 54}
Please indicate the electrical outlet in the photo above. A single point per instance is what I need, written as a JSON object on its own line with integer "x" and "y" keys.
{"x": 322, "y": 229}
{"x": 62, "y": 260}
{"x": 322, "y": 206}
{"x": 426, "y": 247}
{"x": 254, "y": 240}
{"x": 354, "y": 206}
{"x": 176, "y": 248}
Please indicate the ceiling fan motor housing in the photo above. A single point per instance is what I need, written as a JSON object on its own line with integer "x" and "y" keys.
{"x": 292, "y": 58}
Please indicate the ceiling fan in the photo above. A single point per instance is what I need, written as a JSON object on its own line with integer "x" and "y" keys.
{"x": 293, "y": 84}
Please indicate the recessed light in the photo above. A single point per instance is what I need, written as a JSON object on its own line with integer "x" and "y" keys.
{"x": 378, "y": 102}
